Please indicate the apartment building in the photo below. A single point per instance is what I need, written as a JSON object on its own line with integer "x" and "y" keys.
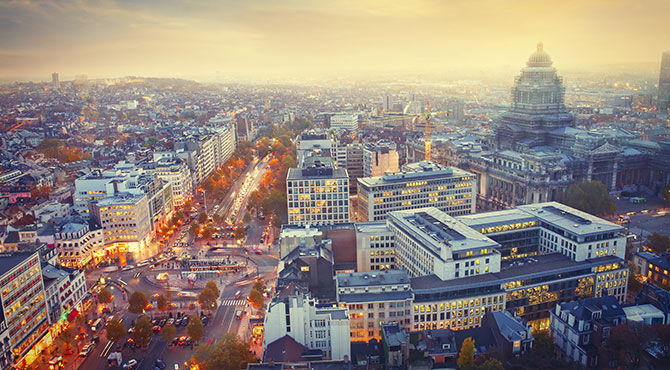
{"x": 374, "y": 299}
{"x": 169, "y": 168}
{"x": 420, "y": 184}
{"x": 78, "y": 246}
{"x": 206, "y": 149}
{"x": 379, "y": 158}
{"x": 317, "y": 194}
{"x": 322, "y": 327}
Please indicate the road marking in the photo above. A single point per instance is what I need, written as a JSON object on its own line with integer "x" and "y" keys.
{"x": 109, "y": 345}
{"x": 233, "y": 302}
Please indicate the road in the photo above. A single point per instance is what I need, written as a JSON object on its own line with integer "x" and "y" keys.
{"x": 223, "y": 319}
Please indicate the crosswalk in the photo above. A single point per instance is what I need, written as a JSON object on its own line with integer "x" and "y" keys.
{"x": 233, "y": 302}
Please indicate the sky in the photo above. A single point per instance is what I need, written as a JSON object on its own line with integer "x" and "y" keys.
{"x": 255, "y": 38}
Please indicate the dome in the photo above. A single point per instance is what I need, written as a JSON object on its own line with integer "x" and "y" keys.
{"x": 539, "y": 58}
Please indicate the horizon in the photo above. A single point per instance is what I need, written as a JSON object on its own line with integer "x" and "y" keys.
{"x": 264, "y": 40}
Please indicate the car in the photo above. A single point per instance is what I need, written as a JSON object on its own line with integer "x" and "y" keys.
{"x": 170, "y": 321}
{"x": 131, "y": 364}
{"x": 188, "y": 341}
{"x": 162, "y": 322}
{"x": 184, "y": 322}
{"x": 130, "y": 342}
{"x": 177, "y": 321}
{"x": 86, "y": 350}
{"x": 258, "y": 252}
{"x": 156, "y": 328}
{"x": 175, "y": 341}
{"x": 204, "y": 320}
{"x": 95, "y": 340}
{"x": 131, "y": 330}
{"x": 182, "y": 340}
{"x": 159, "y": 364}
{"x": 154, "y": 322}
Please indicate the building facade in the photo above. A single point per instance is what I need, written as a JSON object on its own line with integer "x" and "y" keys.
{"x": 125, "y": 222}
{"x": 318, "y": 195}
{"x": 663, "y": 104}
{"x": 315, "y": 326}
{"x": 421, "y": 184}
{"x": 379, "y": 158}
{"x": 375, "y": 299}
{"x": 78, "y": 246}
{"x": 344, "y": 121}
{"x": 375, "y": 247}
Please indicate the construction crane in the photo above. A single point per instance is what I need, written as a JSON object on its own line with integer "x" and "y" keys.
{"x": 428, "y": 132}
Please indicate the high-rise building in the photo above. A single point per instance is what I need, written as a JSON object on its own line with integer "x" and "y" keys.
{"x": 664, "y": 84}
{"x": 420, "y": 184}
{"x": 317, "y": 194}
{"x": 379, "y": 158}
{"x": 387, "y": 103}
{"x": 55, "y": 82}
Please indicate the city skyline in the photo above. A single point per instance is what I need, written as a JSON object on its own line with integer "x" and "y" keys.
{"x": 301, "y": 39}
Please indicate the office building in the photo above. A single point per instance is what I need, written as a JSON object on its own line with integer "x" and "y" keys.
{"x": 169, "y": 168}
{"x": 24, "y": 330}
{"x": 355, "y": 163}
{"x": 78, "y": 246}
{"x": 317, "y": 194}
{"x": 316, "y": 326}
{"x": 55, "y": 82}
{"x": 387, "y": 103}
{"x": 429, "y": 241}
{"x": 421, "y": 184}
{"x": 654, "y": 267}
{"x": 579, "y": 326}
{"x": 375, "y": 299}
{"x": 344, "y": 121}
{"x": 206, "y": 149}
{"x": 379, "y": 158}
{"x": 663, "y": 104}
{"x": 65, "y": 291}
{"x": 125, "y": 221}
{"x": 375, "y": 247}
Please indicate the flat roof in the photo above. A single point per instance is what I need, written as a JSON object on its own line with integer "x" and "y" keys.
{"x": 120, "y": 198}
{"x": 372, "y": 227}
{"x": 434, "y": 229}
{"x": 10, "y": 260}
{"x": 297, "y": 174}
{"x": 413, "y": 172}
{"x": 495, "y": 218}
{"x": 375, "y": 296}
{"x": 527, "y": 268}
{"x": 358, "y": 279}
{"x": 570, "y": 219}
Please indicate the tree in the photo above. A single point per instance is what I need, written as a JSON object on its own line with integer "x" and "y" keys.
{"x": 187, "y": 206}
{"x": 229, "y": 353}
{"x": 143, "y": 331}
{"x": 115, "y": 330}
{"x": 162, "y": 303}
{"x": 589, "y": 196}
{"x": 194, "y": 229}
{"x": 194, "y": 329}
{"x": 247, "y": 218}
{"x": 137, "y": 302}
{"x": 256, "y": 299}
{"x": 491, "y": 364}
{"x": 67, "y": 337}
{"x": 168, "y": 333}
{"x": 207, "y": 232}
{"x": 104, "y": 296}
{"x": 240, "y": 233}
{"x": 625, "y": 345}
{"x": 207, "y": 298}
{"x": 466, "y": 356}
{"x": 659, "y": 243}
{"x": 202, "y": 217}
{"x": 217, "y": 219}
{"x": 258, "y": 285}
{"x": 211, "y": 285}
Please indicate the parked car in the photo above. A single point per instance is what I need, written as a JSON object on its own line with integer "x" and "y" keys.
{"x": 131, "y": 364}
{"x": 159, "y": 364}
{"x": 86, "y": 350}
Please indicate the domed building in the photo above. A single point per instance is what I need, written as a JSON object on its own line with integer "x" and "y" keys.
{"x": 537, "y": 106}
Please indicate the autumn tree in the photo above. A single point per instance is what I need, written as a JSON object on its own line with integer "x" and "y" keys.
{"x": 230, "y": 352}
{"x": 194, "y": 229}
{"x": 143, "y": 331}
{"x": 202, "y": 217}
{"x": 589, "y": 196}
{"x": 466, "y": 356}
{"x": 162, "y": 303}
{"x": 659, "y": 243}
{"x": 208, "y": 296}
{"x": 115, "y": 330}
{"x": 137, "y": 302}
{"x": 256, "y": 299}
{"x": 194, "y": 328}
{"x": 491, "y": 364}
{"x": 104, "y": 296}
{"x": 168, "y": 333}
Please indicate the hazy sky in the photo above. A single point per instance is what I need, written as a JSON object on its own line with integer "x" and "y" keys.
{"x": 294, "y": 37}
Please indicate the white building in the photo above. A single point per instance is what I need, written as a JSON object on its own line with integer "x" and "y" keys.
{"x": 315, "y": 326}
{"x": 125, "y": 221}
{"x": 420, "y": 184}
{"x": 429, "y": 241}
{"x": 317, "y": 194}
{"x": 206, "y": 150}
{"x": 65, "y": 292}
{"x": 171, "y": 169}
{"x": 374, "y": 299}
{"x": 344, "y": 121}
{"x": 293, "y": 236}
{"x": 78, "y": 246}
{"x": 375, "y": 247}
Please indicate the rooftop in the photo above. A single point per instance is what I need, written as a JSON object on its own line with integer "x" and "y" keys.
{"x": 10, "y": 260}
{"x": 570, "y": 219}
{"x": 495, "y": 218}
{"x": 326, "y": 173}
{"x": 415, "y": 171}
{"x": 358, "y": 279}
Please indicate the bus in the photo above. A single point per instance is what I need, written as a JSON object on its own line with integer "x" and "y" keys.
{"x": 96, "y": 325}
